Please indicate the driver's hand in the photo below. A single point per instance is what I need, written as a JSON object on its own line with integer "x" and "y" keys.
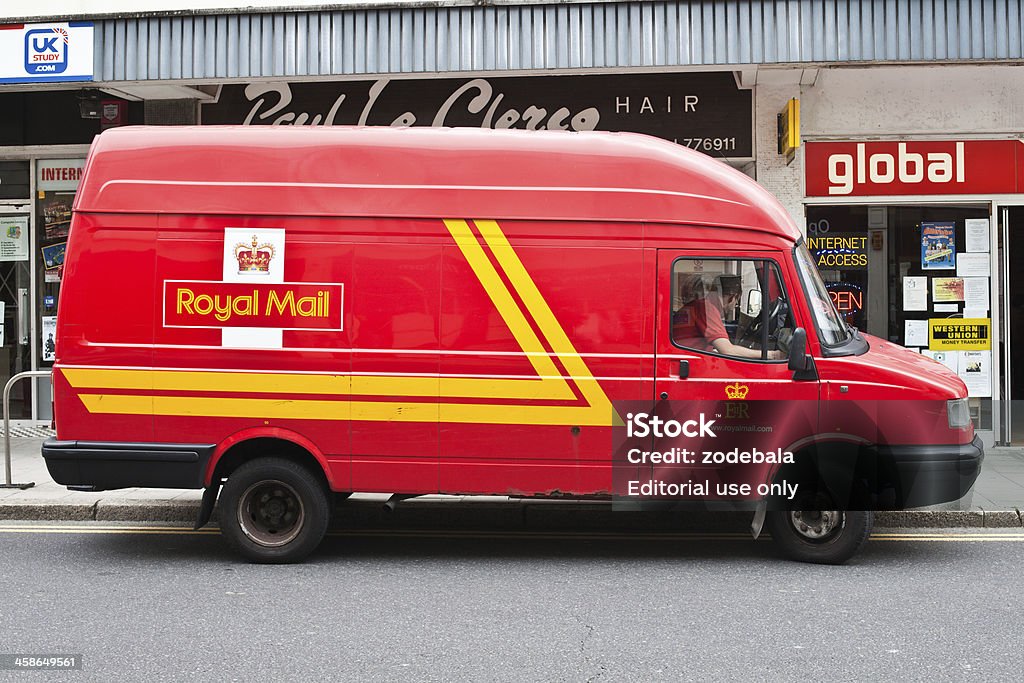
{"x": 776, "y": 354}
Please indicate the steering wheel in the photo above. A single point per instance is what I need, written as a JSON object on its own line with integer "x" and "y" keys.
{"x": 778, "y": 311}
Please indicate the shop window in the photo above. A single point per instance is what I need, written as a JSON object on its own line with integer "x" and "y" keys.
{"x": 916, "y": 275}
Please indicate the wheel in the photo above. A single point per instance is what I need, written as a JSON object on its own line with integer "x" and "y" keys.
{"x": 274, "y": 511}
{"x": 820, "y": 536}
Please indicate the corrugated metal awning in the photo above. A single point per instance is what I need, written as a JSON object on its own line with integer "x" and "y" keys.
{"x": 565, "y": 36}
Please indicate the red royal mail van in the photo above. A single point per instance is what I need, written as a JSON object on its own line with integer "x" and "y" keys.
{"x": 276, "y": 314}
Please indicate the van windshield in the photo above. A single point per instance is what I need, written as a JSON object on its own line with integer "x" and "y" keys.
{"x": 832, "y": 330}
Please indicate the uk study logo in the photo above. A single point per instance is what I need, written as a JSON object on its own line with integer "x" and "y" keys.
{"x": 46, "y": 51}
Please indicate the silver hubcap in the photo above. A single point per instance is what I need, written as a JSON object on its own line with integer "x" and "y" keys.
{"x": 270, "y": 513}
{"x": 817, "y": 525}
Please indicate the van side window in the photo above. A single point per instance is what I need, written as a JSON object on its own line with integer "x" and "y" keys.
{"x": 735, "y": 308}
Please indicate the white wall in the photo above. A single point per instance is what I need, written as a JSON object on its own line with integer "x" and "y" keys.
{"x": 782, "y": 179}
{"x": 914, "y": 100}
{"x": 881, "y": 102}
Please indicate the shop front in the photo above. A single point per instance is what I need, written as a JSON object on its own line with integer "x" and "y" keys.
{"x": 917, "y": 240}
{"x": 707, "y": 111}
{"x": 36, "y": 196}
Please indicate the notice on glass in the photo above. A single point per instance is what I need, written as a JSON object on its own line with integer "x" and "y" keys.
{"x": 951, "y": 359}
{"x": 946, "y": 308}
{"x": 977, "y": 234}
{"x": 975, "y": 369}
{"x": 976, "y": 296}
{"x": 14, "y": 239}
{"x": 915, "y": 293}
{"x": 915, "y": 333}
{"x": 973, "y": 265}
{"x": 947, "y": 289}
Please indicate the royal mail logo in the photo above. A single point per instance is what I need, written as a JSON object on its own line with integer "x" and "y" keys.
{"x": 46, "y": 51}
{"x": 287, "y": 306}
{"x": 736, "y": 392}
{"x": 254, "y": 257}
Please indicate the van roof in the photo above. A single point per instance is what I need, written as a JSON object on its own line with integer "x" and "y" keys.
{"x": 420, "y": 172}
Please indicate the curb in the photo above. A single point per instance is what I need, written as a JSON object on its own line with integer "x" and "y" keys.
{"x": 522, "y": 515}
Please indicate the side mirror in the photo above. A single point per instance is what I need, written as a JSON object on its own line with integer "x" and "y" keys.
{"x": 752, "y": 306}
{"x": 799, "y": 361}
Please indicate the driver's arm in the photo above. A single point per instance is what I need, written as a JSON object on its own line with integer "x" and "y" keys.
{"x": 727, "y": 348}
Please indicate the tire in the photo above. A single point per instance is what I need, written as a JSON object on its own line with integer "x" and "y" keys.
{"x": 820, "y": 536}
{"x": 274, "y": 511}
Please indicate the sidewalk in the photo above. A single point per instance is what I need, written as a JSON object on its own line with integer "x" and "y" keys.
{"x": 996, "y": 501}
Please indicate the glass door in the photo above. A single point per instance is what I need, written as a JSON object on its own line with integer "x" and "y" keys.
{"x": 53, "y": 222}
{"x": 15, "y": 306}
{"x": 1011, "y": 263}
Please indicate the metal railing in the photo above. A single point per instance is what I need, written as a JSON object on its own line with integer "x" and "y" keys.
{"x": 7, "y": 424}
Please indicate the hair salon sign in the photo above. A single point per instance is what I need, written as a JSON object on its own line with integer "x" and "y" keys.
{"x": 705, "y": 111}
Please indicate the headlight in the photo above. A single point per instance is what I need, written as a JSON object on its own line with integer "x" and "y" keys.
{"x": 957, "y": 413}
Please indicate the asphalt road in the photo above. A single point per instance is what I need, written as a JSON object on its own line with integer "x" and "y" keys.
{"x": 172, "y": 606}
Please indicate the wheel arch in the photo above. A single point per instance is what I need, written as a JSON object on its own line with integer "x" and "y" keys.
{"x": 249, "y": 444}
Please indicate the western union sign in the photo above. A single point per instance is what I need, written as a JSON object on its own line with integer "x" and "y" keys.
{"x": 966, "y": 334}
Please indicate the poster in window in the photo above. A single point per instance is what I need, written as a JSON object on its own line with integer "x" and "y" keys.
{"x": 49, "y": 332}
{"x": 53, "y": 255}
{"x": 976, "y": 230}
{"x": 976, "y": 371}
{"x": 973, "y": 265}
{"x": 56, "y": 212}
{"x": 947, "y": 289}
{"x": 915, "y": 293}
{"x": 938, "y": 246}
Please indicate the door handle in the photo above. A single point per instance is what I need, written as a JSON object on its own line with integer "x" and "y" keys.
{"x": 23, "y": 316}
{"x": 684, "y": 369}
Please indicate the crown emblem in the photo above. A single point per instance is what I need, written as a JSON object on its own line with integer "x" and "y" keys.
{"x": 254, "y": 258}
{"x": 736, "y": 392}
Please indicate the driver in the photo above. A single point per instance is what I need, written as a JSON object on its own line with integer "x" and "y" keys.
{"x": 700, "y": 324}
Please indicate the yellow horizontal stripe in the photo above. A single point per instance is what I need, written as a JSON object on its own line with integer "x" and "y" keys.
{"x": 257, "y": 382}
{"x": 311, "y": 409}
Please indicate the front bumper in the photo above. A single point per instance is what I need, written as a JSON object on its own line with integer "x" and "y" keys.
{"x": 100, "y": 466}
{"x": 929, "y": 475}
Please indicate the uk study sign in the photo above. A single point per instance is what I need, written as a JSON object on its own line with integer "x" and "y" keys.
{"x": 31, "y": 53}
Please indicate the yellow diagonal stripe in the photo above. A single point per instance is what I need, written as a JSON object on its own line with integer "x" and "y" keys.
{"x": 545, "y": 318}
{"x": 506, "y": 305}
